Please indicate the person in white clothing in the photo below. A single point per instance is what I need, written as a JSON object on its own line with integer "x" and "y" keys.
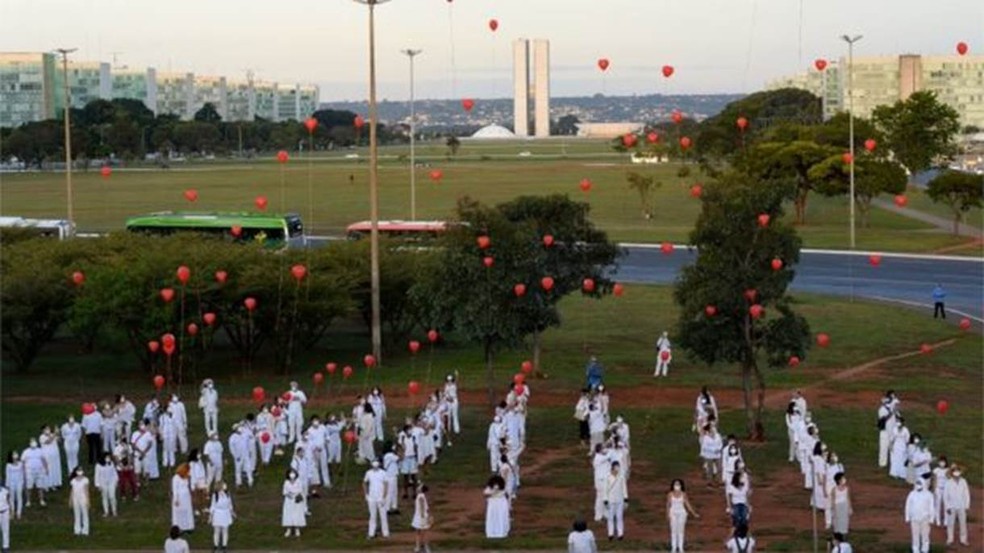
{"x": 581, "y": 540}
{"x": 168, "y": 431}
{"x": 664, "y": 354}
{"x": 52, "y": 456}
{"x": 378, "y": 402}
{"x": 597, "y": 422}
{"x": 391, "y": 466}
{"x": 497, "y": 522}
{"x": 451, "y": 395}
{"x": 5, "y": 510}
{"x": 318, "y": 441}
{"x": 126, "y": 412}
{"x": 79, "y": 500}
{"x": 144, "y": 444}
{"x": 497, "y": 431}
{"x": 581, "y": 416}
{"x": 182, "y": 508}
{"x": 198, "y": 478}
{"x": 175, "y": 543}
{"x": 208, "y": 402}
{"x": 794, "y": 419}
{"x": 616, "y": 498}
{"x": 109, "y": 424}
{"x": 71, "y": 436}
{"x": 295, "y": 412}
{"x": 35, "y": 470}
{"x": 939, "y": 478}
{"x": 294, "y": 513}
{"x": 92, "y": 424}
{"x": 886, "y": 424}
{"x": 740, "y": 541}
{"x": 677, "y": 507}
{"x": 899, "y": 449}
{"x": 710, "y": 452}
{"x": 374, "y": 487}
{"x": 705, "y": 411}
{"x": 839, "y": 544}
{"x": 333, "y": 440}
{"x": 213, "y": 454}
{"x": 422, "y": 520}
{"x": 107, "y": 480}
{"x": 956, "y": 501}
{"x": 366, "y": 431}
{"x": 919, "y": 515}
{"x": 237, "y": 448}
{"x": 220, "y": 515}
{"x": 602, "y": 467}
{"x": 180, "y": 415}
{"x": 15, "y": 477}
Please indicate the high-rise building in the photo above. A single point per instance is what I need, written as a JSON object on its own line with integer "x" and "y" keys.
{"x": 135, "y": 84}
{"x": 211, "y": 90}
{"x": 521, "y": 87}
{"x": 541, "y": 87}
{"x": 26, "y": 91}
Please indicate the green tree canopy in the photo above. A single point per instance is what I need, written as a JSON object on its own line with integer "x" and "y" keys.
{"x": 873, "y": 176}
{"x": 921, "y": 131}
{"x": 787, "y": 163}
{"x": 208, "y": 114}
{"x": 957, "y": 190}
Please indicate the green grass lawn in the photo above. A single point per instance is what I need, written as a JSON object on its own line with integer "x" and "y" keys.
{"x": 621, "y": 332}
{"x": 918, "y": 199}
{"x": 337, "y": 192}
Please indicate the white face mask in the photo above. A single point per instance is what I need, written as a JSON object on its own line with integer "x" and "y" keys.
{"x": 956, "y": 474}
{"x": 676, "y": 487}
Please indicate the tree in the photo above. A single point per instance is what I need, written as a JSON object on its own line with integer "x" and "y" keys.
{"x": 787, "y": 163}
{"x": 453, "y": 144}
{"x": 957, "y": 190}
{"x": 836, "y": 131}
{"x": 645, "y": 185}
{"x": 921, "y": 131}
{"x": 873, "y": 176}
{"x": 566, "y": 125}
{"x": 208, "y": 114}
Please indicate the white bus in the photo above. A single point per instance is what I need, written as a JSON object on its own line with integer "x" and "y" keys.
{"x": 48, "y": 228}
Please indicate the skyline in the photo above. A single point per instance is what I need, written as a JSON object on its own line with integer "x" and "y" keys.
{"x": 763, "y": 43}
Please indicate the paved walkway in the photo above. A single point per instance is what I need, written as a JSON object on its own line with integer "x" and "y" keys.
{"x": 941, "y": 222}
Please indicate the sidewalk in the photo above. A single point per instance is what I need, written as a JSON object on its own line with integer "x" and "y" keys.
{"x": 941, "y": 222}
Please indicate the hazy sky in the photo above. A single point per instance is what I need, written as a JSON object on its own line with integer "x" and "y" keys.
{"x": 715, "y": 45}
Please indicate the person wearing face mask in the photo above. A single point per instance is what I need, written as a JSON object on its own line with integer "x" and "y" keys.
{"x": 237, "y": 448}
{"x": 705, "y": 410}
{"x": 596, "y": 424}
{"x": 302, "y": 466}
{"x": 919, "y": 515}
{"x": 710, "y": 453}
{"x": 220, "y": 515}
{"x": 677, "y": 507}
{"x": 956, "y": 502}
{"x": 15, "y": 477}
{"x": 295, "y": 412}
{"x": 834, "y": 467}
{"x": 79, "y": 501}
{"x": 940, "y": 476}
{"x": 294, "y": 513}
{"x": 213, "y": 453}
{"x": 126, "y": 411}
{"x": 839, "y": 505}
{"x": 730, "y": 456}
{"x": 333, "y": 439}
{"x": 374, "y": 488}
{"x": 52, "y": 456}
{"x": 737, "y": 494}
{"x": 144, "y": 444}
{"x": 167, "y": 428}
{"x": 391, "y": 466}
{"x": 208, "y": 402}
{"x": 805, "y": 443}
{"x": 92, "y": 424}
{"x": 818, "y": 465}
{"x": 378, "y": 403}
{"x": 198, "y": 478}
{"x": 182, "y": 508}
{"x": 900, "y": 442}
{"x": 36, "y": 471}
{"x": 265, "y": 424}
{"x": 107, "y": 481}
{"x": 180, "y": 415}
{"x": 616, "y": 498}
{"x": 71, "y": 436}
{"x": 602, "y": 467}
{"x": 920, "y": 461}
{"x": 794, "y": 420}
{"x": 407, "y": 446}
{"x": 886, "y": 423}
{"x": 366, "y": 430}
{"x": 497, "y": 523}
{"x": 318, "y": 441}
{"x": 451, "y": 395}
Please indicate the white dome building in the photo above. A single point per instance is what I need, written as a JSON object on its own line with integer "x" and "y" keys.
{"x": 493, "y": 132}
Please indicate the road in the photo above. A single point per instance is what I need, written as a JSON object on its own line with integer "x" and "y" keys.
{"x": 904, "y": 279}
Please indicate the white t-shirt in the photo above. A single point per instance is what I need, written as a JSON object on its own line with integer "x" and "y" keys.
{"x": 92, "y": 423}
{"x": 376, "y": 480}
{"x": 581, "y": 542}
{"x": 739, "y": 545}
{"x": 176, "y": 546}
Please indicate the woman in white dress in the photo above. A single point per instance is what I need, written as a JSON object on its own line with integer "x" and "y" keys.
{"x": 52, "y": 455}
{"x": 367, "y": 434}
{"x": 677, "y": 507}
{"x": 508, "y": 475}
{"x": 793, "y": 421}
{"x": 900, "y": 444}
{"x": 496, "y": 509}
{"x": 378, "y": 402}
{"x": 182, "y": 511}
{"x": 839, "y": 508}
{"x": 422, "y": 520}
{"x": 14, "y": 477}
{"x": 294, "y": 513}
{"x": 199, "y": 480}
{"x": 834, "y": 467}
{"x": 220, "y": 514}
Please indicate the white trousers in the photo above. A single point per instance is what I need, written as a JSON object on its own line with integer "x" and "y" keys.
{"x": 295, "y": 425}
{"x": 955, "y": 516}
{"x": 170, "y": 449}
{"x": 600, "y": 510}
{"x": 183, "y": 439}
{"x": 391, "y": 493}
{"x": 920, "y": 536}
{"x": 320, "y": 466}
{"x": 213, "y": 474}
{"x": 266, "y": 452}
{"x": 211, "y": 420}
{"x": 616, "y": 522}
{"x": 241, "y": 468}
{"x": 377, "y": 513}
{"x": 883, "y": 448}
{"x": 678, "y": 524}
{"x": 662, "y": 367}
{"x": 455, "y": 426}
{"x": 5, "y": 528}
{"x": 792, "y": 444}
{"x": 379, "y": 427}
{"x": 17, "y": 500}
{"x": 81, "y": 513}
{"x": 334, "y": 451}
{"x": 71, "y": 456}
{"x": 109, "y": 500}
{"x": 220, "y": 536}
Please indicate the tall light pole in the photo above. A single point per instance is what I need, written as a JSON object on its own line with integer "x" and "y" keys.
{"x": 411, "y": 53}
{"x": 377, "y": 335}
{"x": 68, "y": 132}
{"x": 850, "y": 40}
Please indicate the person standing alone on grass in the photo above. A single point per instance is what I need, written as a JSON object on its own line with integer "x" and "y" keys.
{"x": 616, "y": 498}
{"x": 79, "y": 501}
{"x": 374, "y": 487}
{"x": 939, "y": 296}
{"x": 422, "y": 520}
{"x": 677, "y": 507}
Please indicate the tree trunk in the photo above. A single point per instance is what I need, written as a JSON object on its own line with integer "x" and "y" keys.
{"x": 759, "y": 434}
{"x": 746, "y": 387}
{"x": 490, "y": 372}
{"x": 956, "y": 222}
{"x": 801, "y": 206}
{"x": 864, "y": 206}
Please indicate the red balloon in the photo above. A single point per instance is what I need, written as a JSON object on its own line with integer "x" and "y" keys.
{"x": 209, "y": 318}
{"x": 603, "y": 64}
{"x": 158, "y": 382}
{"x": 652, "y": 137}
{"x": 548, "y": 240}
{"x": 106, "y": 171}
{"x": 547, "y": 283}
{"x": 870, "y": 144}
{"x": 298, "y": 272}
{"x": 493, "y": 25}
{"x": 588, "y": 285}
{"x": 666, "y": 248}
{"x": 742, "y": 123}
{"x": 287, "y": 396}
{"x": 250, "y": 303}
{"x": 965, "y": 324}
{"x": 751, "y": 294}
{"x": 221, "y": 276}
{"x": 88, "y": 408}
{"x": 794, "y": 361}
{"x": 414, "y": 346}
{"x": 628, "y": 140}
{"x": 618, "y": 289}
{"x": 676, "y": 116}
{"x": 483, "y": 242}
{"x": 78, "y": 277}
{"x": 823, "y": 340}
{"x": 710, "y": 310}
{"x": 318, "y": 378}
{"x": 358, "y": 122}
{"x": 820, "y": 64}
{"x": 310, "y": 124}
{"x": 696, "y": 191}
{"x": 167, "y": 294}
{"x": 369, "y": 360}
{"x": 685, "y": 142}
{"x": 468, "y": 104}
{"x": 236, "y": 231}
{"x": 192, "y": 329}
{"x": 519, "y": 378}
{"x": 526, "y": 367}
{"x": 331, "y": 367}
{"x": 436, "y": 175}
{"x": 184, "y": 273}
{"x": 168, "y": 339}
{"x": 756, "y": 311}
{"x": 153, "y": 346}
{"x": 664, "y": 355}
{"x": 168, "y": 349}
{"x": 519, "y": 390}
{"x": 962, "y": 48}
{"x": 488, "y": 261}
{"x": 776, "y": 264}
{"x": 282, "y": 156}
{"x": 265, "y": 437}
{"x": 432, "y": 336}
{"x": 519, "y": 290}
{"x": 261, "y": 203}
{"x": 585, "y": 185}
{"x": 667, "y": 71}
{"x": 942, "y": 406}
{"x": 925, "y": 349}
{"x": 349, "y": 437}
{"x": 874, "y": 259}
{"x": 847, "y": 158}
{"x": 191, "y": 195}
{"x": 901, "y": 200}
{"x": 763, "y": 219}
{"x": 413, "y": 387}
{"x": 347, "y": 372}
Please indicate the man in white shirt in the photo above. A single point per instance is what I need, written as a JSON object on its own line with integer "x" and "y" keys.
{"x": 36, "y": 468}
{"x": 317, "y": 435}
{"x": 602, "y": 467}
{"x": 295, "y": 413}
{"x": 213, "y": 451}
{"x": 5, "y": 518}
{"x": 92, "y": 424}
{"x": 391, "y": 466}
{"x": 237, "y": 448}
{"x": 374, "y": 487}
{"x": 919, "y": 515}
{"x": 616, "y": 496}
{"x": 956, "y": 502}
{"x": 497, "y": 431}
{"x": 597, "y": 422}
{"x": 180, "y": 418}
{"x": 71, "y": 435}
{"x": 208, "y": 402}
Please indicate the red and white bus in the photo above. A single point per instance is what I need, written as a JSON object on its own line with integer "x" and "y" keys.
{"x": 414, "y": 231}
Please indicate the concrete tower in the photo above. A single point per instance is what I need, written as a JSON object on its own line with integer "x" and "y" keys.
{"x": 521, "y": 87}
{"x": 541, "y": 87}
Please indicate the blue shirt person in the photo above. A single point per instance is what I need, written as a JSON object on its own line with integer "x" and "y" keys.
{"x": 939, "y": 295}
{"x": 594, "y": 373}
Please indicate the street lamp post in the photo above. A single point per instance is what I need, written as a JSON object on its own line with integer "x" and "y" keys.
{"x": 377, "y": 337}
{"x": 411, "y": 53}
{"x": 850, "y": 40}
{"x": 68, "y": 133}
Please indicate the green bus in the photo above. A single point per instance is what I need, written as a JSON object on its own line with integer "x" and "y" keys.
{"x": 241, "y": 227}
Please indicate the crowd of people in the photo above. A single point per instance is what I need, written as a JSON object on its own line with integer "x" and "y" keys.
{"x": 506, "y": 442}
